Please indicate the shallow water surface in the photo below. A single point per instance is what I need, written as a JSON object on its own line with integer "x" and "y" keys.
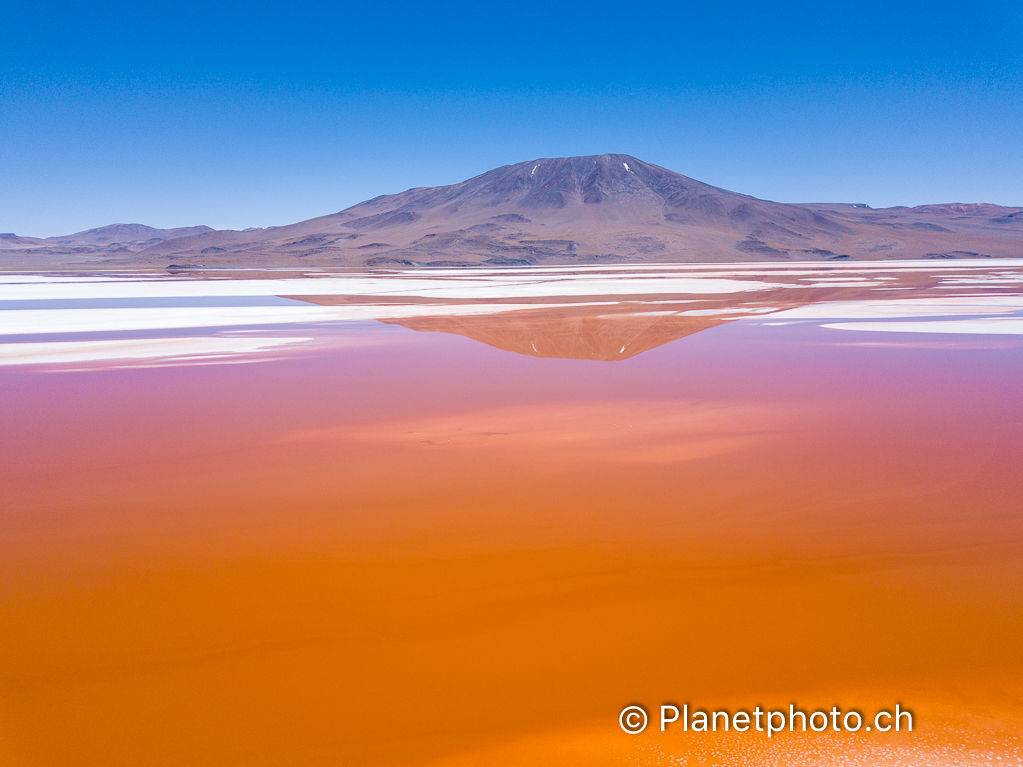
{"x": 465, "y": 517}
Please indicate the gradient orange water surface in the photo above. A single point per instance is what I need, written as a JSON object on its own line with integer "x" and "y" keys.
{"x": 418, "y": 549}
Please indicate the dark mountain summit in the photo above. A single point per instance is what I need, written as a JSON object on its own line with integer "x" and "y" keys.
{"x": 612, "y": 186}
{"x": 559, "y": 183}
{"x": 604, "y": 208}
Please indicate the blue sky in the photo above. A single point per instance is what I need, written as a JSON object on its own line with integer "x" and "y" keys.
{"x": 257, "y": 114}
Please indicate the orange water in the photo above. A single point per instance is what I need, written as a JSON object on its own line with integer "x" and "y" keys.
{"x": 422, "y": 550}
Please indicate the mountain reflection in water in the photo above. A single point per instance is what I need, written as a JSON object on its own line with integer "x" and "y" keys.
{"x": 588, "y": 333}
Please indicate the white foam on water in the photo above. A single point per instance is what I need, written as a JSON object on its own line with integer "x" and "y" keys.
{"x": 140, "y": 349}
{"x": 460, "y": 287}
{"x": 17, "y": 322}
{"x": 908, "y": 307}
{"x": 977, "y": 326}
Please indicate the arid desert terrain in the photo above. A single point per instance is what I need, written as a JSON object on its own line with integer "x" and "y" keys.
{"x": 610, "y": 208}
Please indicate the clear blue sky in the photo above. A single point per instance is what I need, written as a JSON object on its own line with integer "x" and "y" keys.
{"x": 258, "y": 113}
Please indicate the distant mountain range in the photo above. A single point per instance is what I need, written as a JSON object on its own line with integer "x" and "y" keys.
{"x": 608, "y": 208}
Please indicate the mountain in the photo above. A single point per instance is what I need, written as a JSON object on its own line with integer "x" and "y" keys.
{"x": 131, "y": 236}
{"x": 606, "y": 208}
{"x": 115, "y": 238}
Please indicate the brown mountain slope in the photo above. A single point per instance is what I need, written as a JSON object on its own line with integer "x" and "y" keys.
{"x": 606, "y": 208}
{"x": 115, "y": 238}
